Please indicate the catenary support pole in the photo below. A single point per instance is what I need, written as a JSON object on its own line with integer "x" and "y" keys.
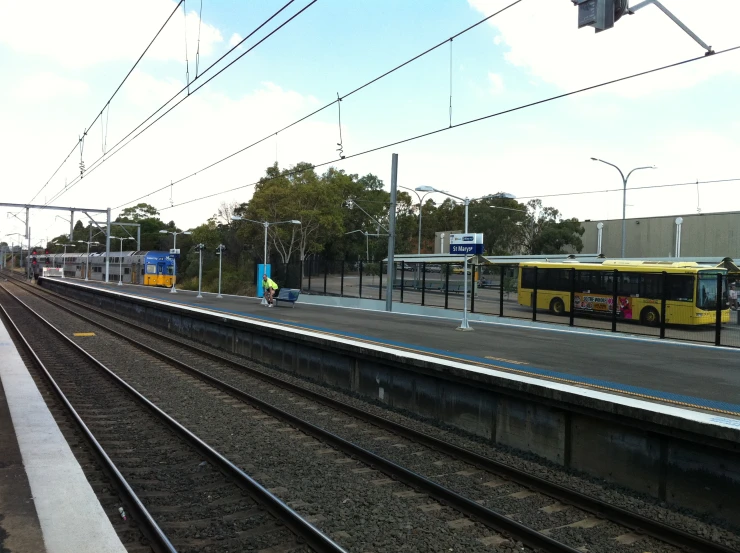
{"x": 107, "y": 245}
{"x": 391, "y": 234}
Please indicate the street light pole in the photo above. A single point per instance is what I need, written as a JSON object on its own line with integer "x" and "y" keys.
{"x": 464, "y": 326}
{"x": 421, "y": 207}
{"x": 174, "y": 259}
{"x": 120, "y": 259}
{"x": 87, "y": 269}
{"x": 624, "y": 196}
{"x": 220, "y": 254}
{"x": 200, "y": 248}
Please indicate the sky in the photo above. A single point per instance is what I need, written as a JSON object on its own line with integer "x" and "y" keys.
{"x": 62, "y": 61}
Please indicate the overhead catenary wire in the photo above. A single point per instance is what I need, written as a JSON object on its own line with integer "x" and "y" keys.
{"x": 632, "y": 188}
{"x": 339, "y": 99}
{"x": 107, "y": 104}
{"x": 123, "y": 142}
{"x": 458, "y": 125}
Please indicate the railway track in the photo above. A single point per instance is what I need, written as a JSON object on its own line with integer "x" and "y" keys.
{"x": 183, "y": 495}
{"x": 473, "y": 484}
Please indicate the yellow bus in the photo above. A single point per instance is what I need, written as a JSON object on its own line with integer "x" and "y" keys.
{"x": 691, "y": 296}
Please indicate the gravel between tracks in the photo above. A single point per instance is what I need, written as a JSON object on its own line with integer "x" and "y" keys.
{"x": 470, "y": 485}
{"x": 354, "y": 504}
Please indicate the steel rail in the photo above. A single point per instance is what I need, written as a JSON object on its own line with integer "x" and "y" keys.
{"x": 316, "y": 539}
{"x": 158, "y": 540}
{"x": 497, "y": 521}
{"x": 663, "y": 532}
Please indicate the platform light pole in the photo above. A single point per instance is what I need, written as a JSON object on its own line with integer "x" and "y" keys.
{"x": 174, "y": 259}
{"x": 87, "y": 269}
{"x": 624, "y": 195}
{"x": 219, "y": 253}
{"x": 266, "y": 225}
{"x": 464, "y": 326}
{"x": 199, "y": 248}
{"x": 120, "y": 259}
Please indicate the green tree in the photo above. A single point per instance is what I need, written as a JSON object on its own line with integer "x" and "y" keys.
{"x": 298, "y": 194}
{"x": 139, "y": 212}
{"x": 549, "y": 233}
{"x": 148, "y": 217}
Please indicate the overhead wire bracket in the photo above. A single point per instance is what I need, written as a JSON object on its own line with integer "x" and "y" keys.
{"x": 341, "y": 147}
{"x": 676, "y": 20}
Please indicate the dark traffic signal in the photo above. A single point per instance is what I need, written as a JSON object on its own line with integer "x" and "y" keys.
{"x": 600, "y": 14}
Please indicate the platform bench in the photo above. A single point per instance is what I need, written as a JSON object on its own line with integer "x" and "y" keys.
{"x": 288, "y": 295}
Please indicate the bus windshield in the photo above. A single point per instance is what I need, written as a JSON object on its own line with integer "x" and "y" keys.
{"x": 706, "y": 297}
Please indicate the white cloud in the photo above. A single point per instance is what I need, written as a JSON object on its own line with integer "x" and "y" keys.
{"x": 496, "y": 83}
{"x": 543, "y": 39}
{"x": 82, "y": 33}
{"x": 46, "y": 85}
{"x": 235, "y": 39}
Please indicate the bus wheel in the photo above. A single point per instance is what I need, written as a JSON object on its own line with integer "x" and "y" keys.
{"x": 557, "y": 307}
{"x": 649, "y": 317}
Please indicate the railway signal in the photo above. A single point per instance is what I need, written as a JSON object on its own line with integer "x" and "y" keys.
{"x": 600, "y": 14}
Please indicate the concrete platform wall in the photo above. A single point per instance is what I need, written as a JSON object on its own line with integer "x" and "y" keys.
{"x": 685, "y": 463}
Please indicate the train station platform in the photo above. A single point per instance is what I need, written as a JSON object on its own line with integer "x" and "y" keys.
{"x": 46, "y": 503}
{"x": 698, "y": 377}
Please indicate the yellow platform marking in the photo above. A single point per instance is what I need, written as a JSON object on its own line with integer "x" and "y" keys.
{"x": 84, "y": 334}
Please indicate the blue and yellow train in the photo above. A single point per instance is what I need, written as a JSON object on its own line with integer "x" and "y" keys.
{"x": 134, "y": 267}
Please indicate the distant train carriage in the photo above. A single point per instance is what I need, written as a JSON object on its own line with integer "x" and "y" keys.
{"x": 150, "y": 268}
{"x": 159, "y": 269}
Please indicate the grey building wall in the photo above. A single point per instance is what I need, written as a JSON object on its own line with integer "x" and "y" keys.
{"x": 702, "y": 235}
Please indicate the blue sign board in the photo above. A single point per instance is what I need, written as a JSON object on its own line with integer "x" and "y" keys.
{"x": 466, "y": 249}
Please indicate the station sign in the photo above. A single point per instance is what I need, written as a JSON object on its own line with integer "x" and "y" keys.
{"x": 466, "y": 244}
{"x": 174, "y": 251}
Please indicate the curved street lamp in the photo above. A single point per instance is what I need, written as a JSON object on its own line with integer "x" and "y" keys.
{"x": 464, "y": 323}
{"x": 174, "y": 261}
{"x": 624, "y": 195}
{"x": 87, "y": 269}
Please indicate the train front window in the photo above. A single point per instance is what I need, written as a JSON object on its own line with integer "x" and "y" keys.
{"x": 151, "y": 269}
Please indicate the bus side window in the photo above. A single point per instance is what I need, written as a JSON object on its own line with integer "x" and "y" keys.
{"x": 628, "y": 284}
{"x": 681, "y": 287}
{"x": 584, "y": 281}
{"x": 607, "y": 282}
{"x": 651, "y": 286}
{"x": 528, "y": 277}
{"x": 560, "y": 280}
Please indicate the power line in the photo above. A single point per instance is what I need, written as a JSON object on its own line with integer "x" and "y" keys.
{"x": 114, "y": 151}
{"x": 339, "y": 99}
{"x": 648, "y": 187}
{"x": 107, "y": 104}
{"x": 464, "y": 123}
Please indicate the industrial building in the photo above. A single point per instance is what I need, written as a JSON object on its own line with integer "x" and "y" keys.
{"x": 688, "y": 236}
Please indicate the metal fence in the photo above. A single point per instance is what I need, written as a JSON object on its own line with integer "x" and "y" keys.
{"x": 493, "y": 290}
